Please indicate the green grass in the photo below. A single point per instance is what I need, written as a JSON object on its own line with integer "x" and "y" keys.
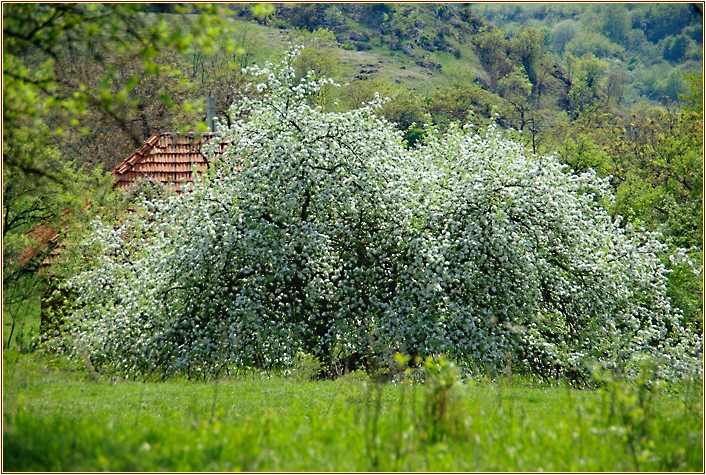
{"x": 55, "y": 418}
{"x": 26, "y": 316}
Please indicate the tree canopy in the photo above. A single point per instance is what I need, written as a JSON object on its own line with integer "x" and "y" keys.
{"x": 321, "y": 232}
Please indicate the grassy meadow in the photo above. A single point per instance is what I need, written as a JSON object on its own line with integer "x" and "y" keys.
{"x": 58, "y": 416}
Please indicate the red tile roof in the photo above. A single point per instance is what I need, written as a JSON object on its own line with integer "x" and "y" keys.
{"x": 45, "y": 236}
{"x": 168, "y": 158}
{"x": 45, "y": 240}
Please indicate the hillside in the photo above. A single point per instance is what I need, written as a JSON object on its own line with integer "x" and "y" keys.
{"x": 532, "y": 67}
{"x": 643, "y": 46}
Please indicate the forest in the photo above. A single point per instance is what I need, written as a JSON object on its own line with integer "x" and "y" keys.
{"x": 432, "y": 198}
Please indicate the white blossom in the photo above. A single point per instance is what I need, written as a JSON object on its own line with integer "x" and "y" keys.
{"x": 320, "y": 232}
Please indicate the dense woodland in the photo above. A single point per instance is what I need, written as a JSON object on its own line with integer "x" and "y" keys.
{"x": 616, "y": 88}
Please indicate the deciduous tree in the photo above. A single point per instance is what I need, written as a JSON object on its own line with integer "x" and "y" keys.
{"x": 320, "y": 232}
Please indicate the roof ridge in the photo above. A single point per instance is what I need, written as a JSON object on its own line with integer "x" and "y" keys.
{"x": 141, "y": 152}
{"x": 163, "y": 157}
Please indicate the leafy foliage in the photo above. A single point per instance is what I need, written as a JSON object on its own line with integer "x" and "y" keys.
{"x": 37, "y": 38}
{"x": 319, "y": 232}
{"x": 44, "y": 196}
{"x": 83, "y": 85}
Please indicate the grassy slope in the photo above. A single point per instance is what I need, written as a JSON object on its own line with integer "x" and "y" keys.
{"x": 394, "y": 65}
{"x": 55, "y": 418}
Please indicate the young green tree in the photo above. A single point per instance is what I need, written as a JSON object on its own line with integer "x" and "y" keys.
{"x": 465, "y": 103}
{"x": 401, "y": 106}
{"x": 407, "y": 111}
{"x": 360, "y": 92}
{"x": 492, "y": 49}
{"x": 527, "y": 46}
{"x": 588, "y": 77}
{"x": 516, "y": 89}
{"x": 320, "y": 59}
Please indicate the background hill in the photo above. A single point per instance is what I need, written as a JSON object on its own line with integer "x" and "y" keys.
{"x": 643, "y": 45}
{"x": 533, "y": 67}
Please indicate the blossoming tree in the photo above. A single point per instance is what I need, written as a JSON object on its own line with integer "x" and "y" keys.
{"x": 320, "y": 232}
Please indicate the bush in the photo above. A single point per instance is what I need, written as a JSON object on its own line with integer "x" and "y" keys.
{"x": 322, "y": 233}
{"x": 305, "y": 367}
